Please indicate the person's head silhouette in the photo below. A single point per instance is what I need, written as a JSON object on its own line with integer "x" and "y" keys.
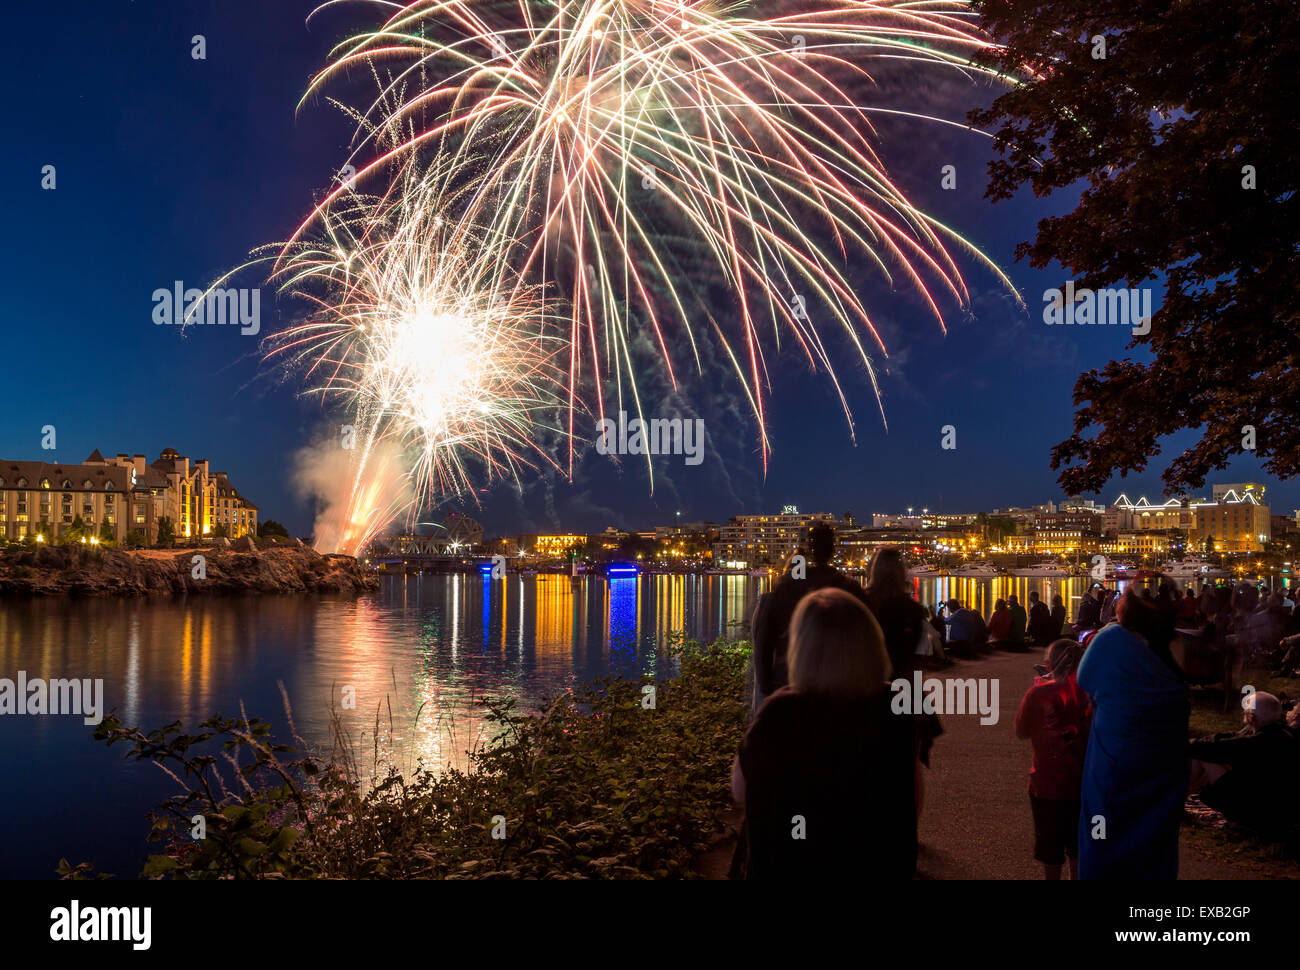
{"x": 821, "y": 537}
{"x": 888, "y": 573}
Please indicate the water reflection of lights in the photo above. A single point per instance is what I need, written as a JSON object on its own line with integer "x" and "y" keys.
{"x": 979, "y": 593}
{"x": 426, "y": 649}
{"x": 624, "y": 613}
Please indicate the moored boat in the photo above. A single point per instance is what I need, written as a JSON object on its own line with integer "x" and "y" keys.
{"x": 977, "y": 570}
{"x": 1194, "y": 567}
{"x": 1042, "y": 569}
{"x": 924, "y": 571}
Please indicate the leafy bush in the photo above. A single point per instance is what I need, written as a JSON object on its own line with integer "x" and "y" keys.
{"x": 592, "y": 785}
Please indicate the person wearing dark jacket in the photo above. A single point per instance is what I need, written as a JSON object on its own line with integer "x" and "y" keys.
{"x": 826, "y": 770}
{"x": 1019, "y": 621}
{"x": 889, "y": 597}
{"x": 772, "y": 616}
{"x": 1058, "y": 617}
{"x": 1040, "y": 622}
{"x": 902, "y": 620}
{"x": 1089, "y": 617}
{"x": 1251, "y": 777}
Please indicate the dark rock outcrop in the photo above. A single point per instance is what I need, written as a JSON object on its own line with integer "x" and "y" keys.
{"x": 245, "y": 544}
{"x": 77, "y": 571}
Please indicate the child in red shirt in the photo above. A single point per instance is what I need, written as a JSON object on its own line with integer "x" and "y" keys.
{"x": 1055, "y": 715}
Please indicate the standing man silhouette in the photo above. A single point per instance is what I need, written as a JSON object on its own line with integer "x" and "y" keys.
{"x": 772, "y": 616}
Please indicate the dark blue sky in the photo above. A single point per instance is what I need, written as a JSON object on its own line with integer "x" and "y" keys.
{"x": 171, "y": 169}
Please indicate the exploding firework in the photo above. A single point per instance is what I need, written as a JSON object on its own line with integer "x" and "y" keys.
{"x": 639, "y": 154}
{"x": 445, "y": 365}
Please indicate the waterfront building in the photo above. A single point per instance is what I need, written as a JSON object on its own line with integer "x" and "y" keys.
{"x": 858, "y": 545}
{"x": 766, "y": 540}
{"x": 1219, "y": 493}
{"x": 1138, "y": 544}
{"x": 1115, "y": 519}
{"x": 691, "y": 540}
{"x": 925, "y": 519}
{"x": 1075, "y": 504}
{"x": 1053, "y": 541}
{"x": 691, "y": 530}
{"x": 129, "y": 494}
{"x": 1235, "y": 522}
{"x": 1125, "y": 514}
{"x": 1075, "y": 519}
{"x": 1024, "y": 515}
{"x": 37, "y": 496}
{"x": 551, "y": 546}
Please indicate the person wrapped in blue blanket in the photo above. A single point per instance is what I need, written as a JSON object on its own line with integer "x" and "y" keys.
{"x": 1136, "y": 770}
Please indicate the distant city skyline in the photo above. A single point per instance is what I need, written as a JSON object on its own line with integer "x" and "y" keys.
{"x": 295, "y": 512}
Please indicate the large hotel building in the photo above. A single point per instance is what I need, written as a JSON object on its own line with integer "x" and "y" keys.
{"x": 1236, "y": 519}
{"x": 131, "y": 495}
{"x": 753, "y": 540}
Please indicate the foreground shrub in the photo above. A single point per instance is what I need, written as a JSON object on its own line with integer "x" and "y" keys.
{"x": 596, "y": 784}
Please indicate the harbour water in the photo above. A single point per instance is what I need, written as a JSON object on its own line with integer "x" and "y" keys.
{"x": 418, "y": 656}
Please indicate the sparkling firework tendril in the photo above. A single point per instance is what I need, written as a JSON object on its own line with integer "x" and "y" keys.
{"x": 418, "y": 330}
{"x": 641, "y": 151}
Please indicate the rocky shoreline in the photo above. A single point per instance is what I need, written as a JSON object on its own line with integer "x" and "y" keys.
{"x": 289, "y": 567}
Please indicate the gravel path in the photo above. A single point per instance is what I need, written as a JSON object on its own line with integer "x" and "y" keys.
{"x": 976, "y": 823}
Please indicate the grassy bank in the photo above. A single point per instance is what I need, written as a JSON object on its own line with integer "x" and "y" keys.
{"x": 611, "y": 782}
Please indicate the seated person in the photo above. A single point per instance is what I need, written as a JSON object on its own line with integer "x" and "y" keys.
{"x": 965, "y": 629}
{"x": 1057, "y": 627}
{"x": 1251, "y": 777}
{"x": 1289, "y": 648}
{"x": 999, "y": 623}
{"x": 930, "y": 647}
{"x": 1259, "y": 634}
{"x": 1040, "y": 621}
{"x": 1019, "y": 621}
{"x": 1089, "y": 615}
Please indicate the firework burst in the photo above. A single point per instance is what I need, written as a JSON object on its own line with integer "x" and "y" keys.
{"x": 445, "y": 363}
{"x": 636, "y": 154}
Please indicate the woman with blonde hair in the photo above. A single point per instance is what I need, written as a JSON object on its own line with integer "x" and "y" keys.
{"x": 826, "y": 769}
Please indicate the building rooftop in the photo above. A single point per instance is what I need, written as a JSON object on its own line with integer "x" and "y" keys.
{"x": 64, "y": 478}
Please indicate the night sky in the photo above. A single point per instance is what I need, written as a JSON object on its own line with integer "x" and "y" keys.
{"x": 171, "y": 169}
